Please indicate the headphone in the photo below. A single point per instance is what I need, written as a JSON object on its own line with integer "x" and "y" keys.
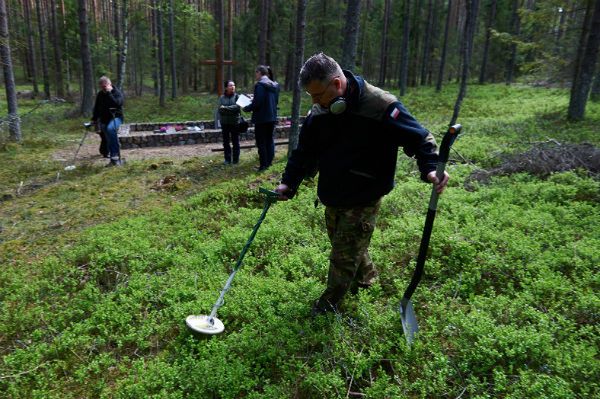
{"x": 338, "y": 105}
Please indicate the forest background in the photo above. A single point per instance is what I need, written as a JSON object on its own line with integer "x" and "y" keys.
{"x": 100, "y": 267}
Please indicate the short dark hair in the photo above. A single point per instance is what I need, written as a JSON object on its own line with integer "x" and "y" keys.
{"x": 319, "y": 67}
{"x": 228, "y": 81}
{"x": 265, "y": 70}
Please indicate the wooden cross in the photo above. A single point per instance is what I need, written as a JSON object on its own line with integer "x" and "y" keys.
{"x": 219, "y": 62}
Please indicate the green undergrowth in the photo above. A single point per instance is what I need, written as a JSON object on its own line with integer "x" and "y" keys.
{"x": 101, "y": 267}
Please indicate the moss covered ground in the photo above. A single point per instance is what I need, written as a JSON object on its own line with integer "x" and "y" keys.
{"x": 100, "y": 266}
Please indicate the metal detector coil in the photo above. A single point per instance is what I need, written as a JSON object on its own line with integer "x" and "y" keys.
{"x": 211, "y": 325}
{"x": 204, "y": 324}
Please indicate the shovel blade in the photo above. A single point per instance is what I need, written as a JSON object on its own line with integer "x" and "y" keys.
{"x": 409, "y": 320}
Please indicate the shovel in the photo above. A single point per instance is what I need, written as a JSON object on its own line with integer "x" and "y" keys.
{"x": 407, "y": 313}
{"x": 211, "y": 325}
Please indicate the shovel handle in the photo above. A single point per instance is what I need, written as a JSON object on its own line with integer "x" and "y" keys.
{"x": 447, "y": 142}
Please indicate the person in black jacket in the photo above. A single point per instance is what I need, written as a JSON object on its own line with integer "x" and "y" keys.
{"x": 229, "y": 113}
{"x": 351, "y": 138}
{"x": 264, "y": 114}
{"x": 108, "y": 116}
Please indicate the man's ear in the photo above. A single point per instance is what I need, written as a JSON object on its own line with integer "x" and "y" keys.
{"x": 338, "y": 83}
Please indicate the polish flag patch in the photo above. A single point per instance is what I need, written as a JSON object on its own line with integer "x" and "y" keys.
{"x": 395, "y": 113}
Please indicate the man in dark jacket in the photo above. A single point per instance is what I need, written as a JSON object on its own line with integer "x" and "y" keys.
{"x": 264, "y": 114}
{"x": 351, "y": 138}
{"x": 108, "y": 116}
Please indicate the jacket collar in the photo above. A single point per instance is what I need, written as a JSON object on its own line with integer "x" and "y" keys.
{"x": 354, "y": 89}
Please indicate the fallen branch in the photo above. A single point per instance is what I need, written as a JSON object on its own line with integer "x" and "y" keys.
{"x": 4, "y": 377}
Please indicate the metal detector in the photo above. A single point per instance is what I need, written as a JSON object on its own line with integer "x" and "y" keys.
{"x": 407, "y": 313}
{"x": 211, "y": 325}
{"x": 72, "y": 166}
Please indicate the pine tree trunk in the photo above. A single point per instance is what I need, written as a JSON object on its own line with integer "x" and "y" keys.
{"x": 404, "y": 53}
{"x": 117, "y": 38}
{"x": 364, "y": 37}
{"x": 230, "y": 39}
{"x": 440, "y": 78}
{"x": 24, "y": 51}
{"x": 87, "y": 97}
{"x": 161, "y": 56}
{"x": 350, "y": 35}
{"x": 154, "y": 52}
{"x": 140, "y": 62}
{"x": 186, "y": 59}
{"x": 43, "y": 53}
{"x": 466, "y": 50}
{"x": 60, "y": 90}
{"x": 583, "y": 37}
{"x": 322, "y": 29}
{"x": 435, "y": 40}
{"x": 299, "y": 58}
{"x": 415, "y": 31}
{"x": 426, "y": 41}
{"x": 486, "y": 46}
{"x": 30, "y": 47}
{"x": 104, "y": 17}
{"x": 124, "y": 44}
{"x": 221, "y": 48}
{"x": 581, "y": 84}
{"x": 289, "y": 63}
{"x": 384, "y": 43}
{"x": 172, "y": 46}
{"x": 512, "y": 59}
{"x": 67, "y": 64}
{"x": 263, "y": 27}
{"x": 14, "y": 123}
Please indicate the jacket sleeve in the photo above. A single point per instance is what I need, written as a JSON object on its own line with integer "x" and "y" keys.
{"x": 257, "y": 99}
{"x": 415, "y": 140}
{"x": 117, "y": 97}
{"x": 303, "y": 161}
{"x": 230, "y": 109}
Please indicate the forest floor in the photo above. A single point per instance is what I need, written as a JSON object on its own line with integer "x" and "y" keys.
{"x": 100, "y": 266}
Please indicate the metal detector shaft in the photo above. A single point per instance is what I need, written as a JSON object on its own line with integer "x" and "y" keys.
{"x": 409, "y": 321}
{"x": 270, "y": 197}
{"x": 86, "y": 125}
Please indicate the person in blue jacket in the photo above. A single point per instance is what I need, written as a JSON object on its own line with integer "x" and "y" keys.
{"x": 264, "y": 114}
{"x": 351, "y": 138}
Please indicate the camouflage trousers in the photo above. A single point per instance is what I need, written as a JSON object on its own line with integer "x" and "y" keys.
{"x": 349, "y": 230}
